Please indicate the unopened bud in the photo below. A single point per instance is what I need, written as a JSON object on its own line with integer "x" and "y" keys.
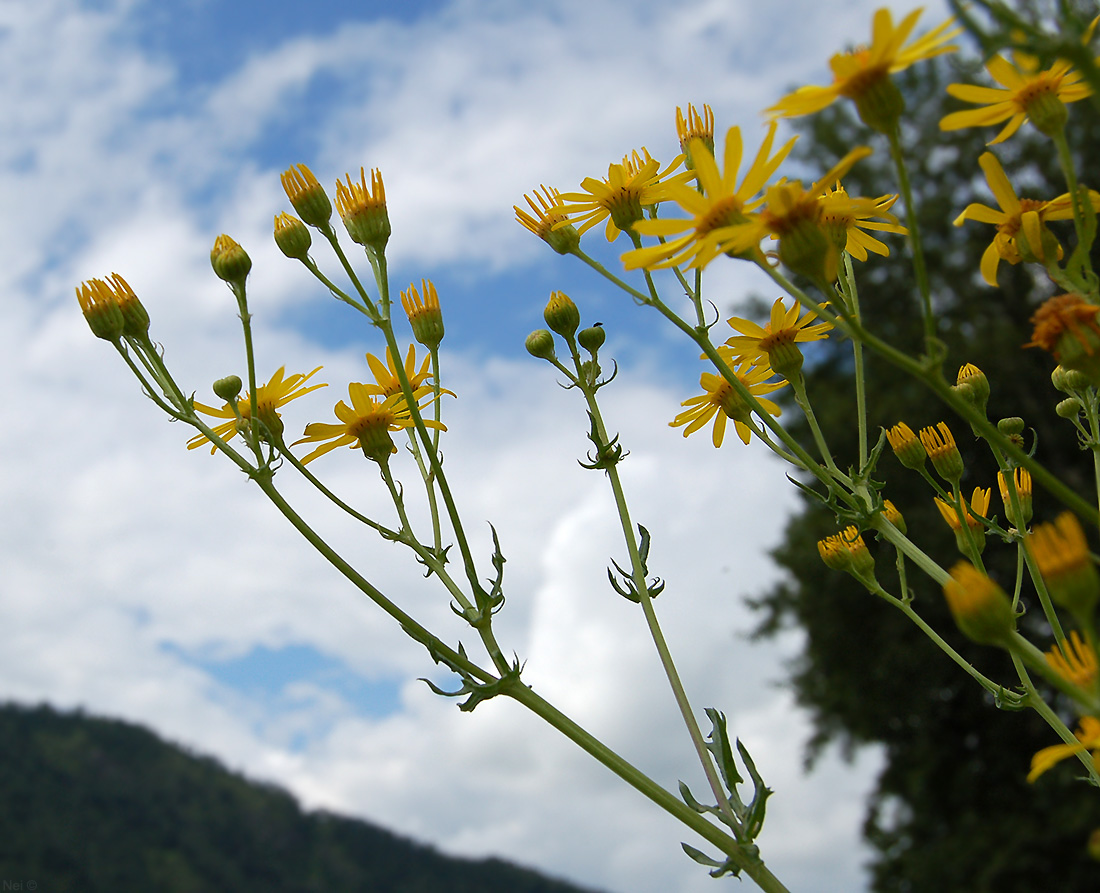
{"x": 230, "y": 261}
{"x": 306, "y": 195}
{"x": 1070, "y": 408}
{"x": 540, "y": 344}
{"x": 561, "y": 314}
{"x": 228, "y": 388}
{"x": 292, "y": 236}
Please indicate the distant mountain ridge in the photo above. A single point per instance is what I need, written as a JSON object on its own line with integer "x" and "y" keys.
{"x": 91, "y": 805}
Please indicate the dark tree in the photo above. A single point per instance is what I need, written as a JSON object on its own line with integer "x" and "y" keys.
{"x": 952, "y": 809}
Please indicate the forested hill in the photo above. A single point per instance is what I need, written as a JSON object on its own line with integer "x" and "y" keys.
{"x": 95, "y": 805}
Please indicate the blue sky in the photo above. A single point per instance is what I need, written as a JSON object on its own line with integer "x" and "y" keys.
{"x": 151, "y": 583}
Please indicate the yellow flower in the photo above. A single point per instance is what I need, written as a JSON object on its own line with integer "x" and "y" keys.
{"x": 388, "y": 383}
{"x": 1088, "y": 738}
{"x": 694, "y": 126}
{"x": 548, "y": 222}
{"x": 720, "y": 395}
{"x": 306, "y": 195}
{"x": 1025, "y": 93}
{"x": 906, "y": 446}
{"x": 756, "y": 343}
{"x": 1062, "y": 553}
{"x": 1021, "y": 480}
{"x": 424, "y": 314}
{"x": 1078, "y": 662}
{"x": 270, "y": 397}
{"x": 1067, "y": 327}
{"x": 846, "y": 218}
{"x": 634, "y": 184}
{"x": 1016, "y": 215}
{"x": 847, "y": 552}
{"x": 793, "y": 215}
{"x": 366, "y": 424}
{"x": 363, "y": 209}
{"x": 939, "y": 443}
{"x": 720, "y": 203}
{"x": 979, "y": 505}
{"x": 980, "y": 607}
{"x": 862, "y": 74}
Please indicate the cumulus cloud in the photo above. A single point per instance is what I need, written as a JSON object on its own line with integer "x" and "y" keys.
{"x": 127, "y": 558}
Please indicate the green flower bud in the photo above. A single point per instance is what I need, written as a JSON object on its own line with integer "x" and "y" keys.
{"x": 1011, "y": 426}
{"x": 540, "y": 344}
{"x": 592, "y": 338}
{"x": 1070, "y": 408}
{"x": 561, "y": 314}
{"x": 230, "y": 261}
{"x": 228, "y": 388}
{"x": 292, "y": 236}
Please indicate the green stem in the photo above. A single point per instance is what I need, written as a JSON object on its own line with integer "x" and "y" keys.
{"x": 920, "y": 270}
{"x": 851, "y": 293}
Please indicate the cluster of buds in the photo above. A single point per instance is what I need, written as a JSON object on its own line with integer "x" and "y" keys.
{"x": 112, "y": 309}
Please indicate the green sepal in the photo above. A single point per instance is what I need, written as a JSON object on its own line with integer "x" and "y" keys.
{"x": 719, "y": 869}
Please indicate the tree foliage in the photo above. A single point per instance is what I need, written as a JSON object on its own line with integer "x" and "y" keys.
{"x": 951, "y": 809}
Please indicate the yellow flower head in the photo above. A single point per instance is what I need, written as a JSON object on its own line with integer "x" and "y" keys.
{"x": 906, "y": 446}
{"x": 385, "y": 376}
{"x": 270, "y": 397}
{"x": 1062, "y": 553}
{"x": 718, "y": 204}
{"x": 979, "y": 505}
{"x": 1088, "y": 738}
{"x": 939, "y": 443}
{"x": 292, "y": 236}
{"x": 694, "y": 126}
{"x": 1075, "y": 661}
{"x": 863, "y": 74}
{"x": 1025, "y": 93}
{"x": 846, "y": 551}
{"x": 980, "y": 607}
{"x": 636, "y": 183}
{"x": 112, "y": 309}
{"x": 793, "y": 215}
{"x": 890, "y": 513}
{"x": 306, "y": 195}
{"x": 366, "y": 424}
{"x": 1015, "y": 218}
{"x": 548, "y": 221}
{"x": 768, "y": 343}
{"x": 720, "y": 402}
{"x": 424, "y": 314}
{"x": 363, "y": 209}
{"x": 1067, "y": 327}
{"x": 845, "y": 219}
{"x": 1021, "y": 481}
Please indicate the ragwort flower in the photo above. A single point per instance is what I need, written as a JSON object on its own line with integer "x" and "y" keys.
{"x": 547, "y": 221}
{"x": 636, "y": 183}
{"x": 845, "y": 219}
{"x": 1075, "y": 661}
{"x": 768, "y": 343}
{"x": 863, "y": 74}
{"x": 385, "y": 376}
{"x": 1025, "y": 93}
{"x": 714, "y": 207}
{"x": 366, "y": 424}
{"x": 720, "y": 402}
{"x": 1016, "y": 217}
{"x": 1088, "y": 738}
{"x": 270, "y": 397}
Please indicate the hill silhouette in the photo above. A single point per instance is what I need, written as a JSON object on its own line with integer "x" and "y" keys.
{"x": 92, "y": 805}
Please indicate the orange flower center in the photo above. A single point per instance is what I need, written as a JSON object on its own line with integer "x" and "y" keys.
{"x": 724, "y": 212}
{"x": 1062, "y": 314}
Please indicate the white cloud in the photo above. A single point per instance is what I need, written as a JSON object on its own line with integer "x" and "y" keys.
{"x": 117, "y": 541}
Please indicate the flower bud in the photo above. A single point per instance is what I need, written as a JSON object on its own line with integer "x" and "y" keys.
{"x": 230, "y": 261}
{"x": 1058, "y": 379}
{"x": 228, "y": 388}
{"x": 99, "y": 305}
{"x": 424, "y": 314}
{"x": 292, "y": 236}
{"x": 540, "y": 344}
{"x": 1021, "y": 479}
{"x": 891, "y": 514}
{"x": 363, "y": 210}
{"x": 1013, "y": 426}
{"x": 561, "y": 314}
{"x": 909, "y": 450}
{"x": 306, "y": 195}
{"x": 880, "y": 103}
{"x": 1062, "y": 553}
{"x": 973, "y": 387}
{"x": 980, "y": 607}
{"x": 939, "y": 443}
{"x": 592, "y": 338}
{"x": 1070, "y": 408}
